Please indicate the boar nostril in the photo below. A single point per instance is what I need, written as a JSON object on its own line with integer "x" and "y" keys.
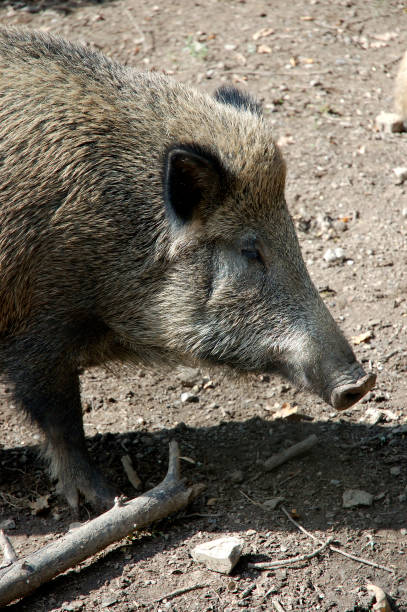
{"x": 346, "y": 395}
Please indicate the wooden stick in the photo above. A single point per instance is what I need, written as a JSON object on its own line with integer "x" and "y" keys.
{"x": 9, "y": 554}
{"x": 289, "y": 453}
{"x": 282, "y": 562}
{"x": 337, "y": 550}
{"x": 27, "y": 574}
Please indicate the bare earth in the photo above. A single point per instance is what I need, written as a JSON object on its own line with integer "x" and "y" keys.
{"x": 323, "y": 70}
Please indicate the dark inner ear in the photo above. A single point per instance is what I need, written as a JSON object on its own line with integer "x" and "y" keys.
{"x": 194, "y": 182}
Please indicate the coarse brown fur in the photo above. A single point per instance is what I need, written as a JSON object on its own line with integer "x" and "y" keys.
{"x": 141, "y": 220}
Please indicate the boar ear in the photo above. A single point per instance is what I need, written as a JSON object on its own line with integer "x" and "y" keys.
{"x": 241, "y": 100}
{"x": 194, "y": 182}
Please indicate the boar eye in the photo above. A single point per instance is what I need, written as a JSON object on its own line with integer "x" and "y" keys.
{"x": 253, "y": 254}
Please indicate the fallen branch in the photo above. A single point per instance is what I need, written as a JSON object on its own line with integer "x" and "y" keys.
{"x": 283, "y": 562}
{"x": 337, "y": 550}
{"x": 27, "y": 574}
{"x": 289, "y": 453}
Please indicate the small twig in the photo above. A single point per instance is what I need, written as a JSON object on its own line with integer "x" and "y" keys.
{"x": 271, "y": 73}
{"x": 291, "y": 560}
{"x": 291, "y": 452}
{"x": 289, "y": 477}
{"x": 9, "y": 554}
{"x": 131, "y": 473}
{"x": 248, "y": 591}
{"x": 334, "y": 549}
{"x": 181, "y": 591}
{"x": 277, "y": 605}
{"x": 251, "y": 500}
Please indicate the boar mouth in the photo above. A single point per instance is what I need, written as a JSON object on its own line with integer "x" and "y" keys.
{"x": 344, "y": 396}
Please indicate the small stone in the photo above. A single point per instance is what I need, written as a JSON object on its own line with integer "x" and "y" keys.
{"x": 220, "y": 555}
{"x": 109, "y": 601}
{"x": 236, "y": 477}
{"x": 395, "y": 470}
{"x": 356, "y": 497}
{"x": 333, "y": 255}
{"x": 372, "y": 416}
{"x": 189, "y": 397}
{"x": 188, "y": 376}
{"x": 401, "y": 174}
{"x": 271, "y": 504}
{"x": 404, "y": 213}
{"x": 389, "y": 123}
{"x": 73, "y": 606}
{"x": 7, "y": 524}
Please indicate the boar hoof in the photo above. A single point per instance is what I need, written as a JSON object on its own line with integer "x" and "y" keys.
{"x": 346, "y": 395}
{"x": 92, "y": 486}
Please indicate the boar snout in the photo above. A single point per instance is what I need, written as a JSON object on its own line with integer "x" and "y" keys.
{"x": 344, "y": 396}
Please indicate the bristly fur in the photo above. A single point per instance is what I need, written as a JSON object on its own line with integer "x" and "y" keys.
{"x": 97, "y": 161}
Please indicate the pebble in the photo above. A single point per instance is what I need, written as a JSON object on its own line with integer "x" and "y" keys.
{"x": 189, "y": 397}
{"x": 271, "y": 504}
{"x": 109, "y": 601}
{"x": 401, "y": 174}
{"x": 389, "y": 123}
{"x": 356, "y": 497}
{"x": 336, "y": 254}
{"x": 8, "y": 524}
{"x": 395, "y": 470}
{"x": 220, "y": 555}
{"x": 188, "y": 376}
{"x": 236, "y": 477}
{"x": 372, "y": 416}
{"x": 404, "y": 213}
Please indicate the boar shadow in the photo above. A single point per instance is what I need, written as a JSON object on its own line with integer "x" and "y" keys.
{"x": 347, "y": 456}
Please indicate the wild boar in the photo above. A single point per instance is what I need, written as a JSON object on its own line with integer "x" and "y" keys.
{"x": 143, "y": 221}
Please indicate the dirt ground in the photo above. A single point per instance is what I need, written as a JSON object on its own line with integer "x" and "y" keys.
{"x": 323, "y": 70}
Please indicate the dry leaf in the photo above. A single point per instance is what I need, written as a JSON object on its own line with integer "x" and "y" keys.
{"x": 262, "y": 33}
{"x": 290, "y": 413}
{"x": 263, "y": 49}
{"x": 382, "y": 604}
{"x": 294, "y": 61}
{"x": 239, "y": 79}
{"x": 365, "y": 337}
{"x": 39, "y": 505}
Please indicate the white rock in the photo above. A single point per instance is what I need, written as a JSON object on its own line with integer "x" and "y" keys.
{"x": 220, "y": 555}
{"x": 372, "y": 416}
{"x": 356, "y": 497}
{"x": 336, "y": 254}
{"x": 404, "y": 212}
{"x": 189, "y": 397}
{"x": 401, "y": 174}
{"x": 389, "y": 123}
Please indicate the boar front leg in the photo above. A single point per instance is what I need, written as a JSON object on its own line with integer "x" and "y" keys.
{"x": 50, "y": 395}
